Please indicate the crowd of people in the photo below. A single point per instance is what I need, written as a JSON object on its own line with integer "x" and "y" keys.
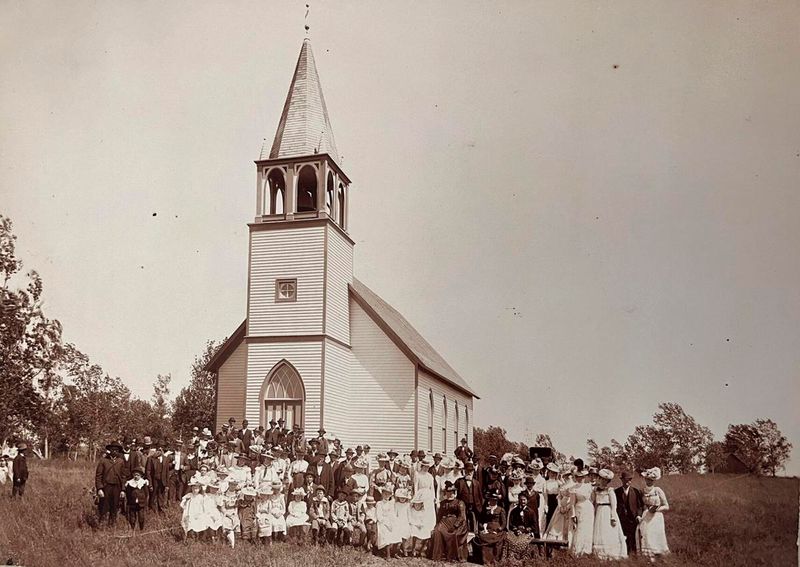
{"x": 271, "y": 485}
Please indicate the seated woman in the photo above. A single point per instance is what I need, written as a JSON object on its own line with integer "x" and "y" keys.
{"x": 449, "y": 537}
{"x": 523, "y": 525}
{"x": 491, "y": 536}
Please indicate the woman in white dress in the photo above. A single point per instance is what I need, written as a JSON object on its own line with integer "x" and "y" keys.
{"x": 360, "y": 478}
{"x": 447, "y": 466}
{"x": 424, "y": 486}
{"x": 583, "y": 515}
{"x": 560, "y": 526}
{"x": 652, "y": 535}
{"x": 608, "y": 541}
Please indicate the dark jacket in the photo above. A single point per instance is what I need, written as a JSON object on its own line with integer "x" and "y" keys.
{"x": 325, "y": 477}
{"x": 20, "y": 469}
{"x": 110, "y": 472}
{"x": 246, "y": 435}
{"x": 631, "y": 507}
{"x": 157, "y": 473}
{"x": 524, "y": 520}
{"x": 472, "y": 498}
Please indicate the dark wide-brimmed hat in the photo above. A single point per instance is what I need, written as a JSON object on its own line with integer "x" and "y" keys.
{"x": 113, "y": 446}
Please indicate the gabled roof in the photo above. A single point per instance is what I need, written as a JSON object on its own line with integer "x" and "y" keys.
{"x": 226, "y": 348}
{"x": 401, "y": 331}
{"x": 304, "y": 128}
{"x": 391, "y": 322}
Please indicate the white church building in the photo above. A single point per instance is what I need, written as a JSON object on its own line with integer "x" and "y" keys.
{"x": 318, "y": 347}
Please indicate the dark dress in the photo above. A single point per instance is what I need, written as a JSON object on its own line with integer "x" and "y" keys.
{"x": 523, "y": 524}
{"x": 449, "y": 537}
{"x": 493, "y": 539}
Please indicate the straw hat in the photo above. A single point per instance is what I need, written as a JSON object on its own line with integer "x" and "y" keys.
{"x": 248, "y": 491}
{"x": 552, "y": 467}
{"x": 299, "y": 492}
{"x": 403, "y": 493}
{"x": 427, "y": 461}
{"x": 654, "y": 473}
{"x": 606, "y": 474}
{"x": 536, "y": 464}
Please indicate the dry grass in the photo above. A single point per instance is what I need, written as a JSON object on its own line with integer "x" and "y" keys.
{"x": 715, "y": 521}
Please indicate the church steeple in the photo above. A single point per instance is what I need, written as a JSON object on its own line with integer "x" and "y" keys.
{"x": 304, "y": 128}
{"x": 300, "y": 177}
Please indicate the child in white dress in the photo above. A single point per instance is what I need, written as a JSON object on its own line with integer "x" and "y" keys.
{"x": 388, "y": 531}
{"x": 193, "y": 519}
{"x": 402, "y": 496}
{"x": 278, "y": 510}
{"x": 297, "y": 516}
{"x": 264, "y": 514}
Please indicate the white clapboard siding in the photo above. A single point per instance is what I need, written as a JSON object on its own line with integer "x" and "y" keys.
{"x": 382, "y": 384}
{"x": 294, "y": 252}
{"x": 305, "y": 356}
{"x": 427, "y": 383}
{"x": 338, "y": 394}
{"x": 232, "y": 386}
{"x": 339, "y": 275}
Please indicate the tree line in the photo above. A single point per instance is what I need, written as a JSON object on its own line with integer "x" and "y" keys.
{"x": 55, "y": 398}
{"x": 675, "y": 441}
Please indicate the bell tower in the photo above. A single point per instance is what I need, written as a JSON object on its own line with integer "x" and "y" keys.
{"x": 298, "y": 176}
{"x": 300, "y": 263}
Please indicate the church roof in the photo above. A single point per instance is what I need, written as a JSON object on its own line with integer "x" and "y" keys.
{"x": 304, "y": 128}
{"x": 393, "y": 324}
{"x": 403, "y": 332}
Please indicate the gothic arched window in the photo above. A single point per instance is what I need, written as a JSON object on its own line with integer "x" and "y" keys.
{"x": 277, "y": 191}
{"x": 329, "y": 195}
{"x": 283, "y": 396}
{"x": 341, "y": 198}
{"x": 444, "y": 424}
{"x": 455, "y": 431}
{"x": 307, "y": 189}
{"x": 430, "y": 421}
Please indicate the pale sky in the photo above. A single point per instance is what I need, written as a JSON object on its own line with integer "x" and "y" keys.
{"x": 588, "y": 208}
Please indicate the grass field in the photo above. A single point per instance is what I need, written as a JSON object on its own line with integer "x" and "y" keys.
{"x": 719, "y": 521}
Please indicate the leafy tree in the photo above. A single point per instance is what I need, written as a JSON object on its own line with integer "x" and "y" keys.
{"x": 613, "y": 457}
{"x": 195, "y": 405}
{"x": 494, "y": 441}
{"x": 95, "y": 405}
{"x": 760, "y": 445}
{"x": 675, "y": 441}
{"x": 715, "y": 456}
{"x": 30, "y": 346}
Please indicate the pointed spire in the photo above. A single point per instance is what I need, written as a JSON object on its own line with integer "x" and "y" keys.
{"x": 304, "y": 127}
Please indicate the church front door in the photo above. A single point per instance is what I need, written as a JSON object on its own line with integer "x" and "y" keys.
{"x": 290, "y": 410}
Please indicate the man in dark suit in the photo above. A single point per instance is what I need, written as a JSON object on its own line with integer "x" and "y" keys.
{"x": 109, "y": 478}
{"x": 323, "y": 473}
{"x": 271, "y": 436}
{"x": 246, "y": 435}
{"x": 469, "y": 491}
{"x": 19, "y": 470}
{"x": 157, "y": 472}
{"x": 177, "y": 475}
{"x": 463, "y": 453}
{"x": 630, "y": 507}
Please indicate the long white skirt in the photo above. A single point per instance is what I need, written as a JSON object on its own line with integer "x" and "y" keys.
{"x": 652, "y": 535}
{"x": 583, "y": 535}
{"x": 609, "y": 541}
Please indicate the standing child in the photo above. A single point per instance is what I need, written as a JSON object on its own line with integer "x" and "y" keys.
{"x": 230, "y": 512}
{"x": 388, "y": 532}
{"x": 264, "y": 513}
{"x": 5, "y": 470}
{"x": 136, "y": 492}
{"x": 371, "y": 523}
{"x": 417, "y": 520}
{"x": 193, "y": 519}
{"x": 247, "y": 513}
{"x": 212, "y": 506}
{"x": 277, "y": 508}
{"x": 341, "y": 518}
{"x": 403, "y": 526}
{"x": 297, "y": 516}
{"x": 358, "y": 529}
{"x": 320, "y": 514}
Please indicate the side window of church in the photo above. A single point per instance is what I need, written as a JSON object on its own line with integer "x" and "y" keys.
{"x": 286, "y": 290}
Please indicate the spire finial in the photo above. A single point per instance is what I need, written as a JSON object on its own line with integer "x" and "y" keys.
{"x": 308, "y": 9}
